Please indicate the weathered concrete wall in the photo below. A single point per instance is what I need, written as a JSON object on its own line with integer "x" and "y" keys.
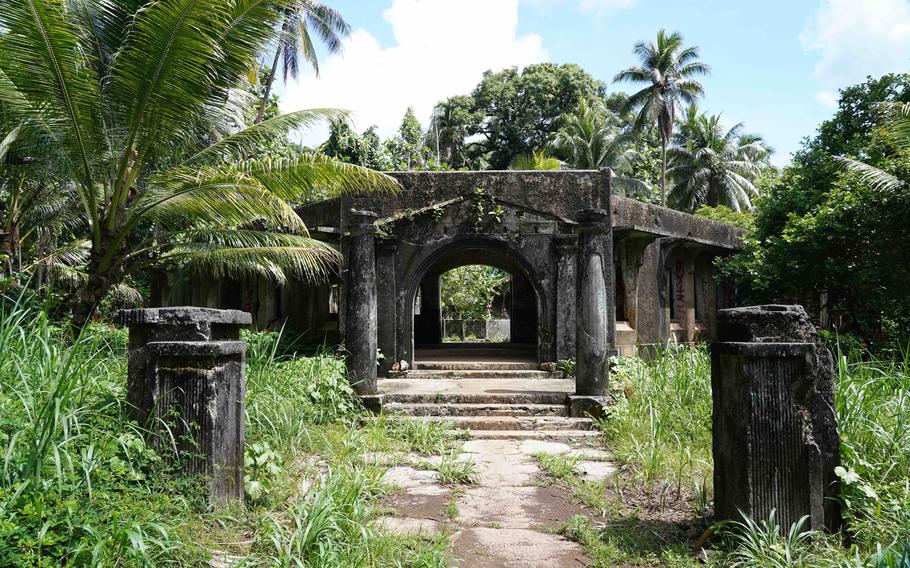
{"x": 775, "y": 433}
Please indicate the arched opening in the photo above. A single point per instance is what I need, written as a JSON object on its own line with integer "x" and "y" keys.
{"x": 475, "y": 300}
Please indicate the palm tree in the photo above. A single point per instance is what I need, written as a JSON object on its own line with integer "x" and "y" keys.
{"x": 713, "y": 167}
{"x": 592, "y": 138}
{"x": 668, "y": 69}
{"x": 450, "y": 126}
{"x": 128, "y": 110}
{"x": 294, "y": 40}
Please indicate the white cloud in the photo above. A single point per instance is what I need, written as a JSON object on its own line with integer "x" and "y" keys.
{"x": 441, "y": 48}
{"x": 856, "y": 38}
{"x": 605, "y": 5}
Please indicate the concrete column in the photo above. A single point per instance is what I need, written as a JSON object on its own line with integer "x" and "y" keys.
{"x": 186, "y": 375}
{"x": 689, "y": 291}
{"x": 596, "y": 322}
{"x": 567, "y": 264}
{"x": 360, "y": 303}
{"x": 649, "y": 310}
{"x": 386, "y": 302}
{"x": 631, "y": 252}
{"x": 775, "y": 430}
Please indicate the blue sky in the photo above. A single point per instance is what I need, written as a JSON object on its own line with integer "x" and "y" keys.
{"x": 776, "y": 64}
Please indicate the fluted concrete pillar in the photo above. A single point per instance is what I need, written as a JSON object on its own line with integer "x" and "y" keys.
{"x": 776, "y": 444}
{"x": 360, "y": 328}
{"x": 386, "y": 302}
{"x": 567, "y": 261}
{"x": 594, "y": 310}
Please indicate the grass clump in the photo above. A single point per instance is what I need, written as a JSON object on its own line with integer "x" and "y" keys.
{"x": 557, "y": 466}
{"x": 454, "y": 471}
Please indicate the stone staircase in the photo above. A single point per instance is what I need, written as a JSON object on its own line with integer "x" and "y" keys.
{"x": 491, "y": 400}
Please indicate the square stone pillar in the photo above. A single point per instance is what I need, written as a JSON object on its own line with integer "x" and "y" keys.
{"x": 181, "y": 323}
{"x": 594, "y": 310}
{"x": 360, "y": 333}
{"x": 567, "y": 264}
{"x": 775, "y": 430}
{"x": 186, "y": 383}
{"x": 386, "y": 304}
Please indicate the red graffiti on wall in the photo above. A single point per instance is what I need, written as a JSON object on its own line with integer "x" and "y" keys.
{"x": 679, "y": 273}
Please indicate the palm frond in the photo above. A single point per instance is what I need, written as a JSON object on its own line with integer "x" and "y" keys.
{"x": 876, "y": 178}
{"x": 243, "y": 254}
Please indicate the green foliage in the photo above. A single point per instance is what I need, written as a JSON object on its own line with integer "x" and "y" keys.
{"x": 360, "y": 149}
{"x": 408, "y": 150}
{"x": 80, "y": 484}
{"x": 535, "y": 160}
{"x": 723, "y": 214}
{"x": 821, "y": 228}
{"x": 517, "y": 113}
{"x": 557, "y": 466}
{"x": 468, "y": 292}
{"x": 145, "y": 137}
{"x": 765, "y": 544}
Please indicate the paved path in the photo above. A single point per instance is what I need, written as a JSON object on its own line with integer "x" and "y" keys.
{"x": 508, "y": 519}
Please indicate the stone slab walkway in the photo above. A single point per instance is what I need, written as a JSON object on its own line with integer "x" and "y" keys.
{"x": 508, "y": 519}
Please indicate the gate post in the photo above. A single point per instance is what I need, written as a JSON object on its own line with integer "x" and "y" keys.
{"x": 186, "y": 381}
{"x": 594, "y": 311}
{"x": 775, "y": 430}
{"x": 360, "y": 330}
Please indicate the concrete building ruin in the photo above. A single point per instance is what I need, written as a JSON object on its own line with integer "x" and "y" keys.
{"x": 658, "y": 265}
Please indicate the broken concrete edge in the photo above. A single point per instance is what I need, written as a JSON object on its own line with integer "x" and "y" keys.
{"x": 791, "y": 349}
{"x": 588, "y": 406}
{"x": 182, "y": 315}
{"x": 772, "y": 323}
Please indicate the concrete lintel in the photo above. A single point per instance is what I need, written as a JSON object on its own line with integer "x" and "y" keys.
{"x": 182, "y": 315}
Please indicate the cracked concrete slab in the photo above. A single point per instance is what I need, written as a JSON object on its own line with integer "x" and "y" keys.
{"x": 516, "y": 548}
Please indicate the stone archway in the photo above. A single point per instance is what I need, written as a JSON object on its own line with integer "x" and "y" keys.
{"x": 479, "y": 250}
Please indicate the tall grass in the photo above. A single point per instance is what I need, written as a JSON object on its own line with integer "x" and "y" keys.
{"x": 78, "y": 485}
{"x": 661, "y": 423}
{"x": 661, "y": 427}
{"x": 873, "y": 409}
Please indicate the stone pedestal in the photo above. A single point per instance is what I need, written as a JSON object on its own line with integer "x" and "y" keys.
{"x": 775, "y": 434}
{"x": 186, "y": 383}
{"x": 360, "y": 328}
{"x": 596, "y": 325}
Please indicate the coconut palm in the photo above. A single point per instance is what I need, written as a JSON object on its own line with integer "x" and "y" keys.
{"x": 450, "y": 127}
{"x": 35, "y": 205}
{"x": 300, "y": 19}
{"x": 711, "y": 166}
{"x": 592, "y": 138}
{"x": 125, "y": 93}
{"x": 668, "y": 69}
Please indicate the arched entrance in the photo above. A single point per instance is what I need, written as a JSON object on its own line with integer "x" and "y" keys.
{"x": 424, "y": 313}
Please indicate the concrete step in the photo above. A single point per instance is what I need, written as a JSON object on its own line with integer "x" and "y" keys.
{"x": 482, "y": 409}
{"x": 560, "y": 435}
{"x": 524, "y": 423}
{"x": 474, "y": 366}
{"x": 475, "y": 374}
{"x": 438, "y": 398}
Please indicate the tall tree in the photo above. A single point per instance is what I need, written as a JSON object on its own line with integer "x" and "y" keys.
{"x": 668, "y": 68}
{"x": 711, "y": 166}
{"x": 300, "y": 19}
{"x": 522, "y": 111}
{"x": 452, "y": 122}
{"x": 129, "y": 111}
{"x": 408, "y": 149}
{"x": 592, "y": 138}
